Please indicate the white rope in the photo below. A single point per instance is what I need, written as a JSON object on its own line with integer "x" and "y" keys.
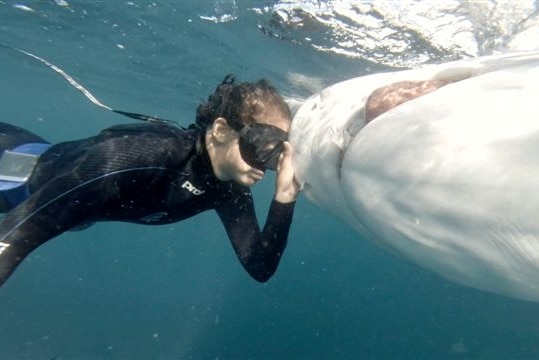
{"x": 66, "y": 76}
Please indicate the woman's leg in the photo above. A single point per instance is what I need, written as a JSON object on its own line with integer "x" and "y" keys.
{"x": 12, "y": 136}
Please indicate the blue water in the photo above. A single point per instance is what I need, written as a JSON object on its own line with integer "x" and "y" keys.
{"x": 123, "y": 291}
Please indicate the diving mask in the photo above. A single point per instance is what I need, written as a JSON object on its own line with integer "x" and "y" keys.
{"x": 261, "y": 145}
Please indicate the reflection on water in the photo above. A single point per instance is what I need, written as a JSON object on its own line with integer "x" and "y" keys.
{"x": 408, "y": 33}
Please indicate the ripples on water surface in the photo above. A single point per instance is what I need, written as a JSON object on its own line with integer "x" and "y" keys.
{"x": 126, "y": 291}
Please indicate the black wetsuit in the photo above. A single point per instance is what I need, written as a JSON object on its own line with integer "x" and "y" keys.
{"x": 141, "y": 173}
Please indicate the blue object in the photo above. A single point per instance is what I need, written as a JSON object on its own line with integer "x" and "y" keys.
{"x": 15, "y": 192}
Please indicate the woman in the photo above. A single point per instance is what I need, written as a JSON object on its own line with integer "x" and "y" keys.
{"x": 155, "y": 173}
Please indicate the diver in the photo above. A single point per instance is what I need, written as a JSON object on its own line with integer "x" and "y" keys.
{"x": 156, "y": 173}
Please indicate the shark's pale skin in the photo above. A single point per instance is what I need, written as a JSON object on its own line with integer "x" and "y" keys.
{"x": 438, "y": 165}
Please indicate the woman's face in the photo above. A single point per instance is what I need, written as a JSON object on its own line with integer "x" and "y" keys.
{"x": 236, "y": 169}
{"x": 227, "y": 161}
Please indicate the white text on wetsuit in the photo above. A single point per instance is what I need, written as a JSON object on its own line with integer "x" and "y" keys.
{"x": 3, "y": 247}
{"x": 192, "y": 189}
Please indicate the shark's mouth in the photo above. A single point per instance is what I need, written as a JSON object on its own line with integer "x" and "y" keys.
{"x": 387, "y": 97}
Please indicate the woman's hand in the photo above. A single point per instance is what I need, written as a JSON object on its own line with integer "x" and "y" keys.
{"x": 286, "y": 187}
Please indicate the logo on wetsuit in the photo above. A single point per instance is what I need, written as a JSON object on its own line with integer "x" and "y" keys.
{"x": 192, "y": 189}
{"x": 3, "y": 247}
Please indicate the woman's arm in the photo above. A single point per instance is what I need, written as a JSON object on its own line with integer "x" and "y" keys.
{"x": 260, "y": 252}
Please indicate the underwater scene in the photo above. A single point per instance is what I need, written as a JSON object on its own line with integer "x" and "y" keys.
{"x": 117, "y": 290}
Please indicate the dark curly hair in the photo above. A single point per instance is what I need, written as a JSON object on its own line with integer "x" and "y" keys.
{"x": 240, "y": 103}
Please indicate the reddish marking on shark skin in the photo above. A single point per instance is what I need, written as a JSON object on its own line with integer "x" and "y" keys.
{"x": 386, "y": 98}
